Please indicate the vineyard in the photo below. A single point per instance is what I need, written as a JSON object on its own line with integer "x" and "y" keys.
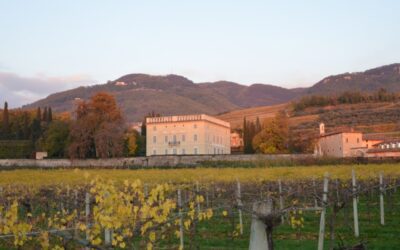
{"x": 341, "y": 207}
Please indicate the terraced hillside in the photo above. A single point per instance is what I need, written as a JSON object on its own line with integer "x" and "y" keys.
{"x": 382, "y": 119}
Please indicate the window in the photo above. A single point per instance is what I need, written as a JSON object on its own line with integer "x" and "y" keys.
{"x": 154, "y": 139}
{"x": 183, "y": 138}
{"x": 183, "y": 151}
{"x": 174, "y": 138}
{"x": 347, "y": 140}
{"x": 166, "y": 139}
{"x": 215, "y": 151}
{"x": 358, "y": 140}
{"x": 195, "y": 151}
{"x": 154, "y": 152}
{"x": 195, "y": 137}
{"x": 166, "y": 151}
{"x": 174, "y": 151}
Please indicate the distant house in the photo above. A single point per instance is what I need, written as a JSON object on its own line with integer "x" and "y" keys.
{"x": 389, "y": 148}
{"x": 40, "y": 155}
{"x": 137, "y": 126}
{"x": 343, "y": 143}
{"x": 187, "y": 135}
{"x": 121, "y": 84}
{"x": 237, "y": 143}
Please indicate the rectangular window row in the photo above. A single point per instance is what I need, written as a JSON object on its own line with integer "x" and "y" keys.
{"x": 174, "y": 138}
{"x": 175, "y": 151}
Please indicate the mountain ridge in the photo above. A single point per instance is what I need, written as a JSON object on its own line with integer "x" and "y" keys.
{"x": 139, "y": 94}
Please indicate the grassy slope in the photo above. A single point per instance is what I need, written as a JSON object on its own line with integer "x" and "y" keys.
{"x": 265, "y": 112}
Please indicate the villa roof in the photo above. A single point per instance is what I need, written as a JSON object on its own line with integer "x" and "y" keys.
{"x": 388, "y": 141}
{"x": 339, "y": 132}
{"x": 187, "y": 118}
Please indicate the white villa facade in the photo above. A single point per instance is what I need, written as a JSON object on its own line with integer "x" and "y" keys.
{"x": 187, "y": 135}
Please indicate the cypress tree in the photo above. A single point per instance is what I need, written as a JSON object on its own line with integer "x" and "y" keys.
{"x": 258, "y": 125}
{"x": 38, "y": 114}
{"x": 49, "y": 115}
{"x": 26, "y": 131}
{"x": 44, "y": 116}
{"x": 6, "y": 122}
{"x": 252, "y": 133}
{"x": 36, "y": 130}
{"x": 245, "y": 136}
{"x": 143, "y": 130}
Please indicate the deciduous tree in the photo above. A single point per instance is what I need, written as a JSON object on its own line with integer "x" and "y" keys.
{"x": 56, "y": 139}
{"x": 98, "y": 128}
{"x": 273, "y": 138}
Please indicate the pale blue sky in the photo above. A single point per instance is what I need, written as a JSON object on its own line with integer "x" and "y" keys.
{"x": 62, "y": 44}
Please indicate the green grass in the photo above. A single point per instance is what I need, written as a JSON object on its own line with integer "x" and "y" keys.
{"x": 217, "y": 233}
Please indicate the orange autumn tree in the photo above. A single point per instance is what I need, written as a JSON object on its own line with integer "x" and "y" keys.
{"x": 98, "y": 131}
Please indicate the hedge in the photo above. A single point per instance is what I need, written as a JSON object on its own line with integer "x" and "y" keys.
{"x": 15, "y": 149}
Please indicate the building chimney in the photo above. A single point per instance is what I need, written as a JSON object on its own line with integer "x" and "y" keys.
{"x": 321, "y": 128}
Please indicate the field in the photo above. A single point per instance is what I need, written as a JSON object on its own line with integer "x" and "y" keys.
{"x": 205, "y": 175}
{"x": 197, "y": 208}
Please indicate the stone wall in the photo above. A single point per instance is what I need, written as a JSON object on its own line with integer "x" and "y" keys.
{"x": 152, "y": 161}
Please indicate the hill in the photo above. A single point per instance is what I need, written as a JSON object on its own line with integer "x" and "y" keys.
{"x": 387, "y": 77}
{"x": 139, "y": 94}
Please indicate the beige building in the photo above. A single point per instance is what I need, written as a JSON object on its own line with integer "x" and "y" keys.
{"x": 237, "y": 144}
{"x": 343, "y": 144}
{"x": 187, "y": 135}
{"x": 389, "y": 148}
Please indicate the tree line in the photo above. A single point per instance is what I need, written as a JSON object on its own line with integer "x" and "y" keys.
{"x": 23, "y": 124}
{"x": 382, "y": 95}
{"x": 96, "y": 130}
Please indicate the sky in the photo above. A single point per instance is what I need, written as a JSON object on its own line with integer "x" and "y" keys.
{"x": 48, "y": 46}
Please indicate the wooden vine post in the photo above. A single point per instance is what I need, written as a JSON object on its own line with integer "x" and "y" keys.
{"x": 180, "y": 219}
{"x": 355, "y": 208}
{"x": 261, "y": 226}
{"x": 240, "y": 204}
{"x": 315, "y": 193}
{"x": 87, "y": 214}
{"x": 321, "y": 235}
{"x": 281, "y": 199}
{"x": 382, "y": 190}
